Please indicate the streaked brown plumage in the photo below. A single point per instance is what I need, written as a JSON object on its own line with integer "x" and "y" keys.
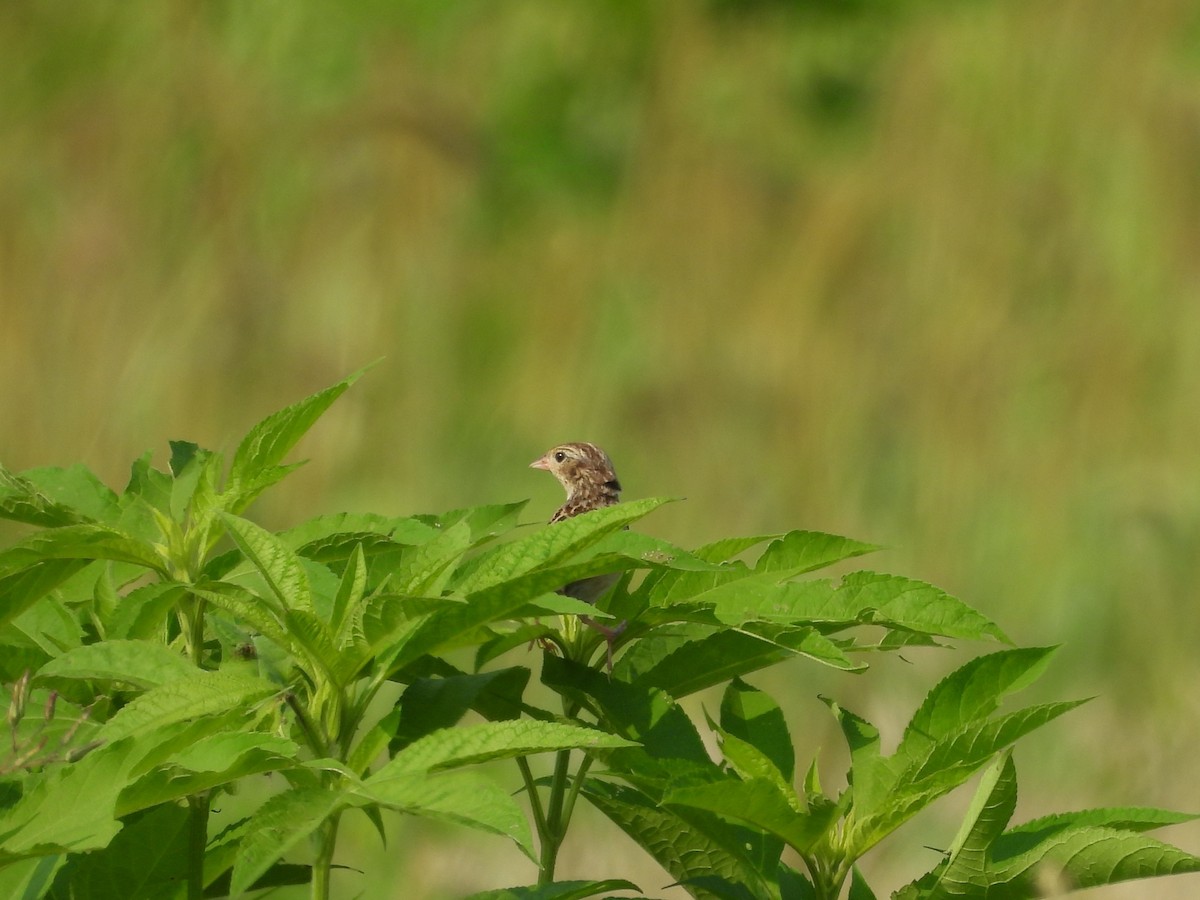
{"x": 587, "y": 475}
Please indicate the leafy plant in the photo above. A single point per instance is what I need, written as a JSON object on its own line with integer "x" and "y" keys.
{"x": 176, "y": 648}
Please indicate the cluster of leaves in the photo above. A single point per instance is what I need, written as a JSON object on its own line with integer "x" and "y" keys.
{"x": 176, "y": 649}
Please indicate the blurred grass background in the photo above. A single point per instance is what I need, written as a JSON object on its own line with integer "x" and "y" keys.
{"x": 921, "y": 273}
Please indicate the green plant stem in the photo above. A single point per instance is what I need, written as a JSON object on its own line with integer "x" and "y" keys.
{"x": 555, "y": 831}
{"x": 535, "y": 800}
{"x": 315, "y": 741}
{"x": 326, "y": 841}
{"x": 197, "y": 843}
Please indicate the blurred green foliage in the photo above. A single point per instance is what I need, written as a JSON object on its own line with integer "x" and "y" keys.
{"x": 925, "y": 273}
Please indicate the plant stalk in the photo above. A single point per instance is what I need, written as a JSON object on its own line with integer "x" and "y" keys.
{"x": 197, "y": 843}
{"x": 326, "y": 841}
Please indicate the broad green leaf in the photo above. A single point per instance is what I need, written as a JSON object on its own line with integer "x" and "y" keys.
{"x": 311, "y": 634}
{"x": 76, "y": 488}
{"x": 859, "y": 889}
{"x": 947, "y": 764}
{"x": 559, "y": 890}
{"x": 143, "y": 664}
{"x": 498, "y": 602}
{"x": 687, "y": 847}
{"x": 277, "y": 826}
{"x": 483, "y": 521}
{"x": 204, "y": 694}
{"x": 871, "y": 774}
{"x": 554, "y": 544}
{"x": 333, "y": 538}
{"x": 148, "y": 483}
{"x": 991, "y": 808}
{"x": 467, "y": 745}
{"x": 651, "y": 551}
{"x": 465, "y": 798}
{"x": 22, "y": 589}
{"x": 1123, "y": 818}
{"x": 147, "y": 859}
{"x": 22, "y": 501}
{"x": 216, "y": 759}
{"x": 973, "y": 692}
{"x": 71, "y": 808}
{"x": 425, "y": 569}
{"x": 752, "y": 716}
{"x": 862, "y": 597}
{"x": 429, "y": 704}
{"x": 79, "y": 542}
{"x": 348, "y": 600}
{"x": 646, "y": 715}
{"x": 798, "y": 552}
{"x": 1085, "y": 857}
{"x": 277, "y": 564}
{"x": 915, "y": 605}
{"x": 728, "y": 548}
{"x": 264, "y": 446}
{"x": 759, "y": 803}
{"x": 726, "y": 654}
{"x": 30, "y": 878}
{"x": 140, "y": 614}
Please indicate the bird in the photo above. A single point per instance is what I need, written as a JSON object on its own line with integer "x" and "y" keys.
{"x": 587, "y": 475}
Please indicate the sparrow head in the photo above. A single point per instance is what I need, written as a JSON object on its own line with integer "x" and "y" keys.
{"x": 582, "y": 469}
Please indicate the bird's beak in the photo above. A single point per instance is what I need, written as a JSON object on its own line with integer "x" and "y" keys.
{"x": 540, "y": 463}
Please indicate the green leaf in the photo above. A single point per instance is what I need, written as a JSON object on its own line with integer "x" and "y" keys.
{"x": 947, "y": 764}
{"x": 22, "y": 501}
{"x": 279, "y": 566}
{"x": 467, "y": 745}
{"x": 969, "y": 694}
{"x": 334, "y": 537}
{"x": 276, "y": 827}
{"x": 559, "y": 890}
{"x": 1084, "y": 857}
{"x": 425, "y": 569}
{"x": 915, "y": 605}
{"x": 803, "y": 551}
{"x": 728, "y": 548}
{"x": 71, "y": 808}
{"x": 991, "y": 808}
{"x": 212, "y": 760}
{"x": 554, "y": 544}
{"x": 79, "y": 542}
{"x": 752, "y": 716}
{"x": 859, "y": 889}
{"x": 1124, "y": 818}
{"x": 142, "y": 664}
{"x": 147, "y": 859}
{"x": 688, "y": 844}
{"x": 760, "y": 803}
{"x": 483, "y": 521}
{"x": 255, "y": 462}
{"x": 429, "y": 704}
{"x": 348, "y": 600}
{"x": 862, "y": 598}
{"x": 74, "y": 488}
{"x": 649, "y": 716}
{"x": 465, "y": 798}
{"x": 140, "y": 614}
{"x": 21, "y": 590}
{"x": 871, "y": 774}
{"x": 203, "y": 694}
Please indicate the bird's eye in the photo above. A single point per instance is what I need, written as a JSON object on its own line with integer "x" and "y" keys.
{"x": 559, "y": 456}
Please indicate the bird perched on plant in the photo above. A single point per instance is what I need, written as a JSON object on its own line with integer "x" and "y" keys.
{"x": 587, "y": 475}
